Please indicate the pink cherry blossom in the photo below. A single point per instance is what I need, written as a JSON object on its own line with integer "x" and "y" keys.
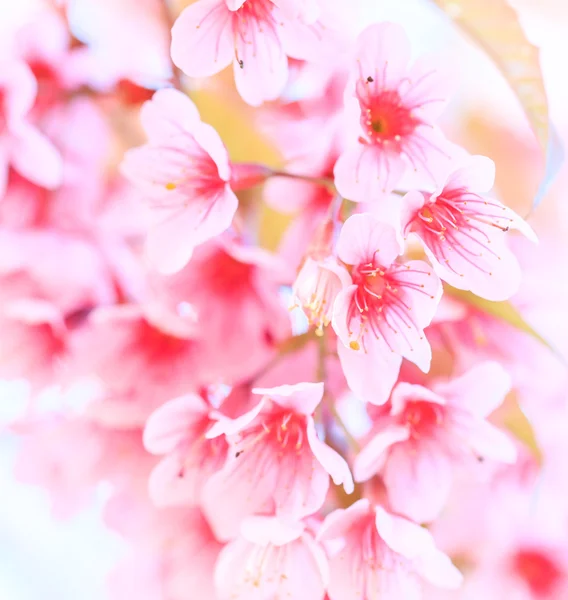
{"x": 316, "y": 288}
{"x": 272, "y": 559}
{"x": 177, "y": 429}
{"x": 383, "y": 313}
{"x": 184, "y": 170}
{"x": 255, "y": 36}
{"x": 277, "y": 464}
{"x": 416, "y": 445}
{"x": 392, "y": 109}
{"x": 382, "y": 555}
{"x": 22, "y": 145}
{"x": 462, "y": 232}
{"x": 136, "y": 365}
{"x": 225, "y": 285}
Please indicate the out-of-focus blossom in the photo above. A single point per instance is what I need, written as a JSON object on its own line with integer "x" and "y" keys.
{"x": 22, "y": 145}
{"x": 426, "y": 432}
{"x": 383, "y": 554}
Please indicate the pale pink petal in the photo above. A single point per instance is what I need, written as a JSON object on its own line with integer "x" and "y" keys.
{"x": 225, "y": 426}
{"x": 418, "y": 482}
{"x": 167, "y": 486}
{"x": 436, "y": 568}
{"x": 234, "y": 4}
{"x": 262, "y": 71}
{"x": 330, "y": 460}
{"x": 408, "y": 392}
{"x": 168, "y": 425}
{"x": 169, "y": 113}
{"x": 341, "y": 521}
{"x": 430, "y": 86}
{"x": 372, "y": 457}
{"x": 271, "y": 530}
{"x": 489, "y": 271}
{"x": 477, "y": 175}
{"x": 368, "y": 173}
{"x": 170, "y": 244}
{"x": 383, "y": 52}
{"x": 438, "y": 156}
{"x": 20, "y": 88}
{"x": 247, "y": 571}
{"x": 302, "y": 483}
{"x": 480, "y": 391}
{"x": 305, "y": 41}
{"x": 339, "y": 320}
{"x": 35, "y": 157}
{"x": 370, "y": 375}
{"x": 491, "y": 443}
{"x": 302, "y": 398}
{"x": 202, "y": 38}
{"x": 403, "y": 536}
{"x": 411, "y": 204}
{"x": 249, "y": 481}
{"x": 363, "y": 237}
{"x": 208, "y": 139}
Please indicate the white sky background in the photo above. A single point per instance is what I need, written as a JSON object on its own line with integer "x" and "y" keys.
{"x": 43, "y": 559}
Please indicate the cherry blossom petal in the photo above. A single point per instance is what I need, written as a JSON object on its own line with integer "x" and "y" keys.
{"x": 262, "y": 71}
{"x": 490, "y": 443}
{"x": 403, "y": 536}
{"x": 418, "y": 483}
{"x": 480, "y": 391}
{"x": 367, "y": 173}
{"x": 167, "y": 426}
{"x": 271, "y": 530}
{"x": 408, "y": 392}
{"x": 172, "y": 482}
{"x": 225, "y": 426}
{"x": 477, "y": 175}
{"x": 437, "y": 568}
{"x": 35, "y": 157}
{"x": 302, "y": 398}
{"x": 370, "y": 375}
{"x": 169, "y": 113}
{"x": 372, "y": 457}
{"x": 202, "y": 41}
{"x": 364, "y": 237}
{"x": 383, "y": 52}
{"x": 170, "y": 244}
{"x": 331, "y": 461}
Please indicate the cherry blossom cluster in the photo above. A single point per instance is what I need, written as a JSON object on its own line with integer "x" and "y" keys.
{"x": 326, "y": 421}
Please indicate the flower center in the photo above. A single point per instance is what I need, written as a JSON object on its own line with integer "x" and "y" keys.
{"x": 422, "y": 417}
{"x": 369, "y": 298}
{"x": 538, "y": 571}
{"x": 383, "y": 115}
